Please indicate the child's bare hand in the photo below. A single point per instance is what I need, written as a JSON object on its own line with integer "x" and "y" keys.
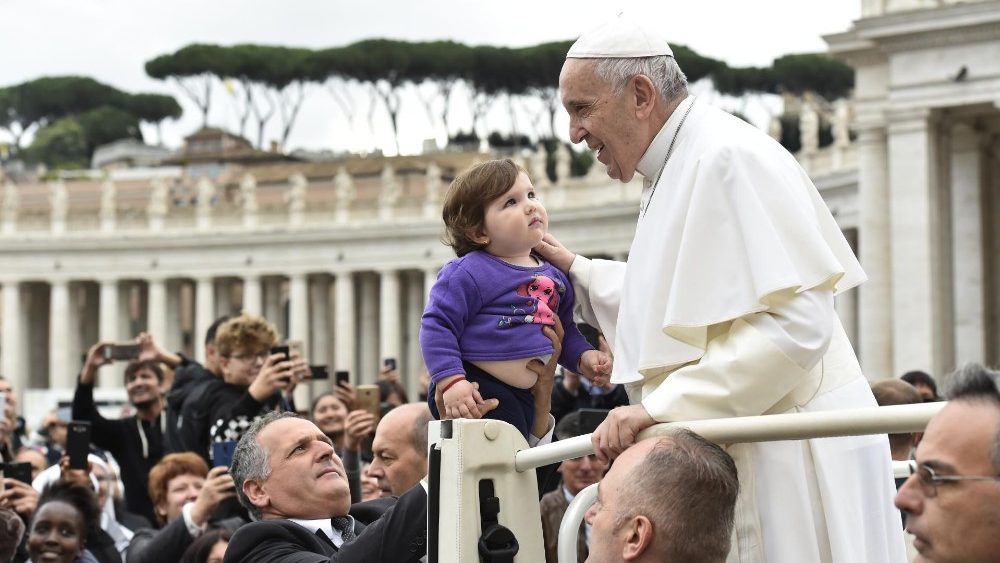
{"x": 596, "y": 367}
{"x": 462, "y": 400}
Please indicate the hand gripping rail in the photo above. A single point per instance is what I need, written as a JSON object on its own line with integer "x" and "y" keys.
{"x": 853, "y": 422}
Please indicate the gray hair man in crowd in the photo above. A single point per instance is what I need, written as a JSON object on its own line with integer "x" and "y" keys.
{"x": 952, "y": 499}
{"x": 289, "y": 477}
{"x": 666, "y": 499}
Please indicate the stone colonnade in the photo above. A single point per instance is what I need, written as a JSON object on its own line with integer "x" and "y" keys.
{"x": 348, "y": 320}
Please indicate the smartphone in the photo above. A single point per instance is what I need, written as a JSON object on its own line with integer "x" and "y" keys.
{"x": 368, "y": 400}
{"x": 121, "y": 351}
{"x": 18, "y": 471}
{"x": 590, "y": 419}
{"x": 319, "y": 372}
{"x": 78, "y": 443}
{"x": 282, "y": 349}
{"x": 222, "y": 453}
{"x": 390, "y": 363}
{"x": 343, "y": 376}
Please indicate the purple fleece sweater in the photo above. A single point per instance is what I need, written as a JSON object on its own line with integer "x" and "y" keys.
{"x": 483, "y": 308}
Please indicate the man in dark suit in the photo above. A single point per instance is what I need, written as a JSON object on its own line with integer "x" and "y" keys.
{"x": 289, "y": 478}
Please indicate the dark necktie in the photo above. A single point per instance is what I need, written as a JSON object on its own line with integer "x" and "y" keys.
{"x": 344, "y": 525}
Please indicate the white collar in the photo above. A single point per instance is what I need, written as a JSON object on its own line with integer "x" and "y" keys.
{"x": 652, "y": 160}
{"x": 324, "y": 525}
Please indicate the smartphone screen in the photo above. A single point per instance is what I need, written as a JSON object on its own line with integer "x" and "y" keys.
{"x": 18, "y": 471}
{"x": 319, "y": 372}
{"x": 368, "y": 399}
{"x": 121, "y": 351}
{"x": 343, "y": 376}
{"x": 222, "y": 453}
{"x": 78, "y": 443}
{"x": 282, "y": 349}
{"x": 390, "y": 363}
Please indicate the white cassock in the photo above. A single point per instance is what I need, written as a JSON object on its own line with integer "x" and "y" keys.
{"x": 724, "y": 309}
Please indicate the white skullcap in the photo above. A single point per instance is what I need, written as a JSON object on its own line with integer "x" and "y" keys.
{"x": 619, "y": 38}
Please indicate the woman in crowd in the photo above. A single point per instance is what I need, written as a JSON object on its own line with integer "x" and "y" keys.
{"x": 185, "y": 496}
{"x": 108, "y": 540}
{"x": 329, "y": 413}
{"x": 64, "y": 521}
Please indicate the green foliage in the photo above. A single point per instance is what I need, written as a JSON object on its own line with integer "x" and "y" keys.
{"x": 794, "y": 74}
{"x": 193, "y": 60}
{"x": 60, "y": 145}
{"x": 695, "y": 66}
{"x": 44, "y": 101}
{"x": 818, "y": 73}
{"x": 106, "y": 124}
{"x": 154, "y": 108}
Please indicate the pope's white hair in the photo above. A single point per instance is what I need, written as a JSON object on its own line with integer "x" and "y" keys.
{"x": 667, "y": 77}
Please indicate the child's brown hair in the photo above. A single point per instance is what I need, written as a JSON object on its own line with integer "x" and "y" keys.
{"x": 468, "y": 195}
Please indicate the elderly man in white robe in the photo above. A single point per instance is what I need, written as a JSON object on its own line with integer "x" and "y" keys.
{"x": 725, "y": 306}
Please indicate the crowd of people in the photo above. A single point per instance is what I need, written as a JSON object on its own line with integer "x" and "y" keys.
{"x": 723, "y": 309}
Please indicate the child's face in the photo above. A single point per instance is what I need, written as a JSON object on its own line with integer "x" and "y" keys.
{"x": 516, "y": 221}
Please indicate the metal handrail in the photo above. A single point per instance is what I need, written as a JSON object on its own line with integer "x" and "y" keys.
{"x": 899, "y": 419}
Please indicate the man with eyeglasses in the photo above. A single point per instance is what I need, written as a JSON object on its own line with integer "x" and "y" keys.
{"x": 252, "y": 382}
{"x": 952, "y": 499}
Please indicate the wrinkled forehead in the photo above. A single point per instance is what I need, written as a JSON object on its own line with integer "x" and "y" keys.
{"x": 578, "y": 76}
{"x": 284, "y": 433}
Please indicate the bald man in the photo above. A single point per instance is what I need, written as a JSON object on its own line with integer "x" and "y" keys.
{"x": 400, "y": 449}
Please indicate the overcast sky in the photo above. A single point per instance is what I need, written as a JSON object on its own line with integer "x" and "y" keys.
{"x": 110, "y": 40}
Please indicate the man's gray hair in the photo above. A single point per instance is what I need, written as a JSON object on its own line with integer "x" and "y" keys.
{"x": 975, "y": 383}
{"x": 250, "y": 462}
{"x": 667, "y": 77}
{"x": 687, "y": 487}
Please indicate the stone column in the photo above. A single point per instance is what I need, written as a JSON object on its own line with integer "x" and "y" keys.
{"x": 368, "y": 360}
{"x": 204, "y": 313}
{"x": 298, "y": 325}
{"x": 60, "y": 372}
{"x": 967, "y": 244}
{"x": 918, "y": 331}
{"x": 414, "y": 359}
{"x": 108, "y": 327}
{"x": 252, "y": 298}
{"x": 344, "y": 329}
{"x": 389, "y": 316}
{"x": 874, "y": 344}
{"x": 12, "y": 343}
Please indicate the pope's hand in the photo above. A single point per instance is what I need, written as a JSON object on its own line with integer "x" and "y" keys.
{"x": 618, "y": 431}
{"x": 555, "y": 253}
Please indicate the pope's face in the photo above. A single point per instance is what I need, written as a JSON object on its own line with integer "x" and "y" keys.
{"x": 601, "y": 119}
{"x": 307, "y": 480}
{"x": 956, "y": 521}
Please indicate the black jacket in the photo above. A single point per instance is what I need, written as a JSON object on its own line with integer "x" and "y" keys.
{"x": 226, "y": 411}
{"x": 398, "y": 536}
{"x": 121, "y": 438}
